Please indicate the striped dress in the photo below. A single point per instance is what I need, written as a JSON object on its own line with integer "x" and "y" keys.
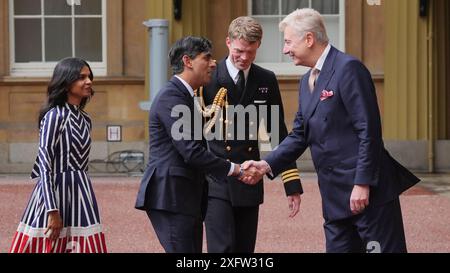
{"x": 62, "y": 185}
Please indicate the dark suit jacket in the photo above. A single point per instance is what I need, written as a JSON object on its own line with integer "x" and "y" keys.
{"x": 174, "y": 177}
{"x": 261, "y": 90}
{"x": 343, "y": 132}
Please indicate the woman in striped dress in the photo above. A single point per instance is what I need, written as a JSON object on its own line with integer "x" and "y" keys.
{"x": 62, "y": 213}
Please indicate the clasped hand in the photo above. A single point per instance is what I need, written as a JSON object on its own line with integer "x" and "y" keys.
{"x": 253, "y": 171}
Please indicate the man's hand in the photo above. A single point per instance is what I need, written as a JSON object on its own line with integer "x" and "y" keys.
{"x": 249, "y": 175}
{"x": 54, "y": 225}
{"x": 294, "y": 204}
{"x": 254, "y": 171}
{"x": 359, "y": 199}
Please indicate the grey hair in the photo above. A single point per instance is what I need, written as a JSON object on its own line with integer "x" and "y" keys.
{"x": 306, "y": 20}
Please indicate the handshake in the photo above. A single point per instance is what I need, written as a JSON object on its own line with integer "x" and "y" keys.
{"x": 251, "y": 172}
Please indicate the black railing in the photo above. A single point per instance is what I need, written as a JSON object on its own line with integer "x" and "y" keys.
{"x": 126, "y": 161}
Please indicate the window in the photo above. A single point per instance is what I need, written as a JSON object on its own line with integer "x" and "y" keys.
{"x": 43, "y": 32}
{"x": 271, "y": 12}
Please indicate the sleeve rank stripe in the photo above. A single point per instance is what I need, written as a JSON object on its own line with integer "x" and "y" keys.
{"x": 289, "y": 172}
{"x": 291, "y": 179}
{"x": 290, "y": 176}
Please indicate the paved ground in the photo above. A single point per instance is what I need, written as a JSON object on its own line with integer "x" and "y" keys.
{"x": 426, "y": 212}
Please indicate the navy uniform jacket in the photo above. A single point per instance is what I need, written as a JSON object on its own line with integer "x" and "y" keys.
{"x": 261, "y": 90}
{"x": 343, "y": 130}
{"x": 174, "y": 177}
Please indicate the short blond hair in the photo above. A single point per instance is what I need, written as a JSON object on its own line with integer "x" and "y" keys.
{"x": 306, "y": 20}
{"x": 246, "y": 28}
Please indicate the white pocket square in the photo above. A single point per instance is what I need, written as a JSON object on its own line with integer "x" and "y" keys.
{"x": 260, "y": 101}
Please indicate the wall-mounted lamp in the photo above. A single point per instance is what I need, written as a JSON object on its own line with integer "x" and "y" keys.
{"x": 177, "y": 9}
{"x": 423, "y": 8}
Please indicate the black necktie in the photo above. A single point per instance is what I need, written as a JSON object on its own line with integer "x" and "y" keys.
{"x": 240, "y": 85}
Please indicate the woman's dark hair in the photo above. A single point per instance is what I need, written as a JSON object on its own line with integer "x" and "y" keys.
{"x": 190, "y": 46}
{"x": 66, "y": 72}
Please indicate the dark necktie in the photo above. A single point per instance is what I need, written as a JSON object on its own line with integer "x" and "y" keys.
{"x": 240, "y": 85}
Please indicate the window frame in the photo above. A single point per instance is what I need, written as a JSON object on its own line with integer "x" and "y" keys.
{"x": 288, "y": 68}
{"x": 45, "y": 69}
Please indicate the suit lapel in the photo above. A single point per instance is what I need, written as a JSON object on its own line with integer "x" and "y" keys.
{"x": 194, "y": 112}
{"x": 225, "y": 80}
{"x": 324, "y": 77}
{"x": 305, "y": 95}
{"x": 180, "y": 86}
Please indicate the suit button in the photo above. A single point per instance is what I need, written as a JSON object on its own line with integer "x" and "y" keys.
{"x": 250, "y": 149}
{"x": 228, "y": 148}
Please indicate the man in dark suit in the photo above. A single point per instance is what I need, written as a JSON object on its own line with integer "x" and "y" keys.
{"x": 339, "y": 119}
{"x": 232, "y": 216}
{"x": 172, "y": 191}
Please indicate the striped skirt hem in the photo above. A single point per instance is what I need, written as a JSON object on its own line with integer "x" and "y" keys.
{"x": 71, "y": 240}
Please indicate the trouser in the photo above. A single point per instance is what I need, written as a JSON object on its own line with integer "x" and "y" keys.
{"x": 230, "y": 229}
{"x": 177, "y": 233}
{"x": 377, "y": 229}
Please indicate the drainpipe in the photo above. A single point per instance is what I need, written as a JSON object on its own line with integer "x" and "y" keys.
{"x": 158, "y": 30}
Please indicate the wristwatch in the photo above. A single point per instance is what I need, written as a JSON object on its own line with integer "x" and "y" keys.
{"x": 241, "y": 172}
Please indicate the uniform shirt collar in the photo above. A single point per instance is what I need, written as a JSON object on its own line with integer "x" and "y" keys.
{"x": 188, "y": 87}
{"x": 234, "y": 72}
